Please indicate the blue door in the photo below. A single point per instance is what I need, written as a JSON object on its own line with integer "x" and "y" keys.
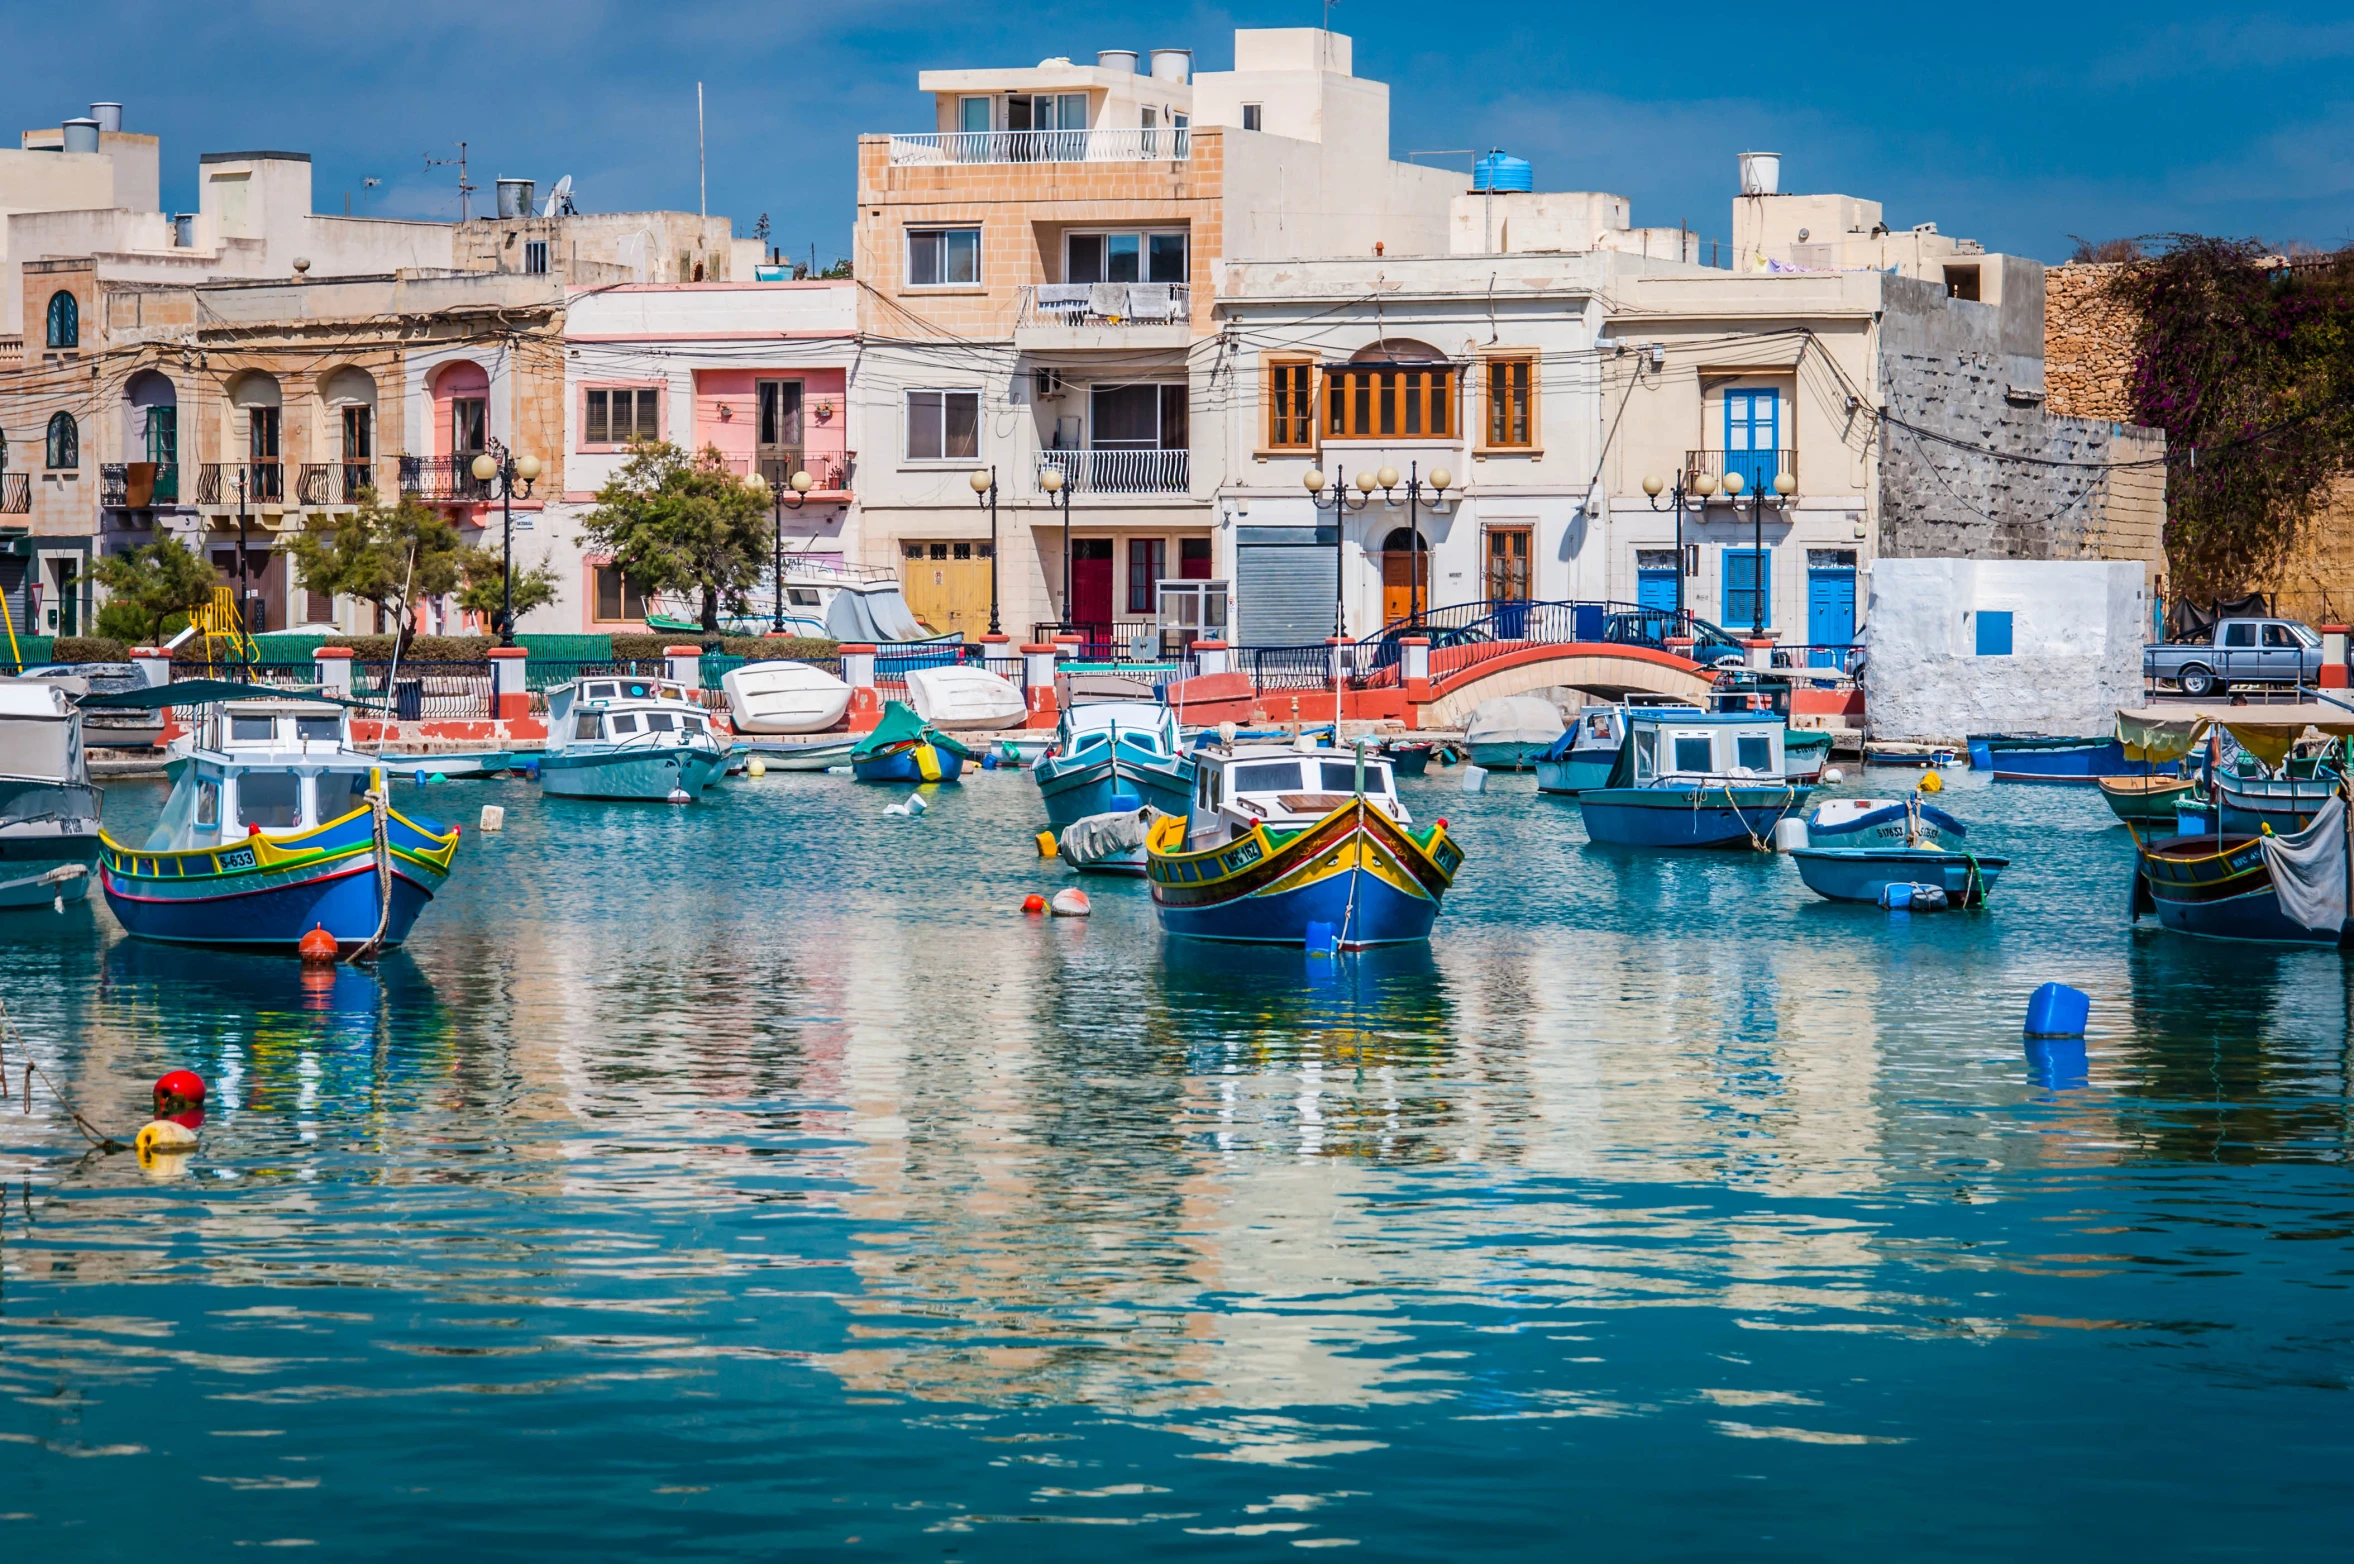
{"x": 1656, "y": 589}
{"x": 1830, "y": 614}
{"x": 1745, "y": 603}
{"x": 1753, "y": 438}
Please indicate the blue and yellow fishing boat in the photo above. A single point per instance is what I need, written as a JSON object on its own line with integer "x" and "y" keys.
{"x": 1281, "y": 846}
{"x": 905, "y": 748}
{"x": 270, "y": 832}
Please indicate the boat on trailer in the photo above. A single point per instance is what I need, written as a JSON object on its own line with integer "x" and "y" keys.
{"x": 1287, "y": 846}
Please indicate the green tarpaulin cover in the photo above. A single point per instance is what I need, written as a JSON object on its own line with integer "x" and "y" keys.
{"x": 900, "y": 725}
{"x": 203, "y": 692}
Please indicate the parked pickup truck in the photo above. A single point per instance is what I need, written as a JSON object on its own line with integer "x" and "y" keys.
{"x": 2244, "y": 651}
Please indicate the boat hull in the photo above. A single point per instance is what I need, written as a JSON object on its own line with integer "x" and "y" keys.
{"x": 2283, "y": 805}
{"x": 2055, "y": 760}
{"x": 25, "y": 886}
{"x": 2217, "y": 888}
{"x": 268, "y": 892}
{"x": 1688, "y": 817}
{"x": 2144, "y": 798}
{"x": 637, "y": 775}
{"x": 1804, "y": 755}
{"x": 1355, "y": 871}
{"x": 816, "y": 755}
{"x": 1072, "y": 791}
{"x": 1862, "y": 873}
{"x": 1510, "y": 756}
{"x": 913, "y": 763}
{"x": 1579, "y": 773}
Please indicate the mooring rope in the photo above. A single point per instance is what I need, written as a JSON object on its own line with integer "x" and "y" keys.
{"x": 378, "y": 809}
{"x": 90, "y": 1132}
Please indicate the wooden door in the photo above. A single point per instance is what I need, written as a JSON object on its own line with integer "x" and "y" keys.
{"x": 1508, "y": 564}
{"x": 1091, "y": 586}
{"x": 1397, "y": 586}
{"x": 947, "y": 586}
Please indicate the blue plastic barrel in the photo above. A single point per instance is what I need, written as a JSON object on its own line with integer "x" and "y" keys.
{"x": 2056, "y": 1010}
{"x": 1126, "y": 803}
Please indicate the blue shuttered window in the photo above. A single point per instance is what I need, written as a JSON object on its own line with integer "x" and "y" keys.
{"x": 1753, "y": 438}
{"x": 1745, "y": 605}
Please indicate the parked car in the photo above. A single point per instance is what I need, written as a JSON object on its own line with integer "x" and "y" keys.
{"x": 2243, "y": 651}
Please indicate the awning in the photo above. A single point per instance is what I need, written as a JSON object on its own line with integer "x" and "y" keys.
{"x": 205, "y": 692}
{"x": 2162, "y": 733}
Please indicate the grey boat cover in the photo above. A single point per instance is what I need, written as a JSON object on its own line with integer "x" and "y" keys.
{"x": 1529, "y": 720}
{"x": 2309, "y": 870}
{"x": 1098, "y": 836}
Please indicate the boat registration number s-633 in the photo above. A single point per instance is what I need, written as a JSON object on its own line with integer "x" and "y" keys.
{"x": 1449, "y": 858}
{"x": 238, "y": 858}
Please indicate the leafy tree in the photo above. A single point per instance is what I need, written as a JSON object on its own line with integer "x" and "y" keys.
{"x": 485, "y": 590}
{"x": 680, "y": 523}
{"x": 392, "y": 556}
{"x": 150, "y": 587}
{"x": 2249, "y": 368}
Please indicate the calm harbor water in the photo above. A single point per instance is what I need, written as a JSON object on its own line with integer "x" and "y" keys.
{"x": 749, "y": 1180}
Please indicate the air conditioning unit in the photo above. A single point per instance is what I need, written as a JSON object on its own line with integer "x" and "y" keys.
{"x": 1050, "y": 384}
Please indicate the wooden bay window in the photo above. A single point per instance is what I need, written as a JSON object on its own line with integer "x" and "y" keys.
{"x": 1389, "y": 401}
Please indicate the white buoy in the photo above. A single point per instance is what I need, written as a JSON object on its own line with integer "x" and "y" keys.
{"x": 756, "y": 767}
{"x": 1790, "y": 834}
{"x": 494, "y": 817}
{"x": 1071, "y": 903}
{"x": 1475, "y": 779}
{"x": 916, "y": 804}
{"x": 679, "y": 795}
{"x": 1832, "y": 776}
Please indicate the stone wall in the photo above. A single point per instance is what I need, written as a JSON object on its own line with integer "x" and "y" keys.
{"x": 2087, "y": 343}
{"x": 1964, "y": 381}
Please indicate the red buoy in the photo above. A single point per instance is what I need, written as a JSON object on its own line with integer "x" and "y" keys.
{"x": 179, "y": 1097}
{"x": 1033, "y": 904}
{"x": 317, "y": 945}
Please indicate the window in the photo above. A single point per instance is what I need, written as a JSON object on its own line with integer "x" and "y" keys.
{"x": 1137, "y": 417}
{"x": 1291, "y": 402}
{"x": 1370, "y": 403}
{"x": 622, "y": 416}
{"x": 1752, "y": 438}
{"x": 1646, "y": 753}
{"x": 973, "y": 115}
{"x": 1148, "y": 559}
{"x": 1961, "y": 282}
{"x": 469, "y": 425}
{"x": 1746, "y": 606}
{"x": 622, "y": 723}
{"x": 1508, "y": 564}
{"x": 535, "y": 255}
{"x": 1755, "y": 753}
{"x": 1125, "y": 257}
{"x": 1278, "y": 776}
{"x": 1994, "y": 633}
{"x": 65, "y": 320}
{"x": 318, "y": 730}
{"x": 270, "y": 799}
{"x": 659, "y": 722}
{"x": 584, "y": 726}
{"x": 1695, "y": 753}
{"x": 65, "y": 441}
{"x": 1250, "y": 116}
{"x": 2278, "y": 636}
{"x": 249, "y": 730}
{"x": 341, "y": 792}
{"x": 208, "y": 803}
{"x": 1510, "y": 399}
{"x": 943, "y": 257}
{"x": 359, "y": 433}
{"x": 943, "y": 426}
{"x": 617, "y": 602}
{"x": 2233, "y": 635}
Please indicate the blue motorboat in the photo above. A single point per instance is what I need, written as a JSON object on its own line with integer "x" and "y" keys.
{"x": 1580, "y": 760}
{"x": 1881, "y": 822}
{"x": 905, "y": 748}
{"x": 1114, "y": 757}
{"x": 2013, "y": 758}
{"x": 1687, "y": 778}
{"x": 1865, "y": 873}
{"x": 623, "y": 737}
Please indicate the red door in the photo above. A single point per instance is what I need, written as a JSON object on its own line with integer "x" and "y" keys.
{"x": 1091, "y": 586}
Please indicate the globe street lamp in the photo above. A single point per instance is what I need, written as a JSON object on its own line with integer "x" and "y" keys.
{"x": 984, "y": 482}
{"x": 500, "y": 465}
{"x": 791, "y": 495}
{"x": 1439, "y": 481}
{"x": 1053, "y": 482}
{"x": 1340, "y": 504}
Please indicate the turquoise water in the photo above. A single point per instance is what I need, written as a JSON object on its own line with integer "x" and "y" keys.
{"x": 750, "y": 1180}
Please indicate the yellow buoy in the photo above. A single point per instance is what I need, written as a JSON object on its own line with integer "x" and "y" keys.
{"x": 756, "y": 767}
{"x": 1048, "y": 847}
{"x": 1932, "y": 783}
{"x": 163, "y": 1135}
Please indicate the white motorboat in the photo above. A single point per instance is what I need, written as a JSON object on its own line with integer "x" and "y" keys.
{"x": 960, "y": 697}
{"x": 784, "y": 697}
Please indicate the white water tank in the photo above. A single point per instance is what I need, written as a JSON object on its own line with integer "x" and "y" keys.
{"x": 81, "y": 135}
{"x": 515, "y": 197}
{"x": 108, "y": 115}
{"x": 1761, "y": 173}
{"x": 1121, "y": 60}
{"x": 1173, "y": 65}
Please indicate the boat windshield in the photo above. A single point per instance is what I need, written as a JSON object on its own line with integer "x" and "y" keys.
{"x": 270, "y": 799}
{"x": 319, "y": 730}
{"x": 1267, "y": 776}
{"x": 341, "y": 792}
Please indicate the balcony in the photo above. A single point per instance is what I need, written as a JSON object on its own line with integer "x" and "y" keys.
{"x": 334, "y": 483}
{"x": 1757, "y": 468}
{"x": 449, "y": 478}
{"x": 16, "y": 493}
{"x": 1094, "y": 316}
{"x": 1161, "y": 144}
{"x": 1119, "y": 472}
{"x": 827, "y": 474}
{"x": 256, "y": 483}
{"x": 138, "y": 485}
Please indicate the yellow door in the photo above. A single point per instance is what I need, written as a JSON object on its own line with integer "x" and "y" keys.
{"x": 947, "y": 586}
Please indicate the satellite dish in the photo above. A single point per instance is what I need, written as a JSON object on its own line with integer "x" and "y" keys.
{"x": 560, "y": 200}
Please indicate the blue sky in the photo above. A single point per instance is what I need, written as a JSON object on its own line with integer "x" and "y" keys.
{"x": 2016, "y": 125}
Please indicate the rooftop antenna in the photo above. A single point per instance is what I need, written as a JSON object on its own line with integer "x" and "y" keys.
{"x": 465, "y": 189}
{"x": 702, "y": 177}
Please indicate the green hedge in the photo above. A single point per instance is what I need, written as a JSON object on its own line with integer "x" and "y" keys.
{"x": 476, "y": 648}
{"x": 635, "y": 647}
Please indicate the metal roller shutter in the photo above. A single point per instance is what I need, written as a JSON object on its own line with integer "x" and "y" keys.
{"x": 1283, "y": 585}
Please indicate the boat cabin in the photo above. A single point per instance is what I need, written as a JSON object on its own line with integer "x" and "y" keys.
{"x": 620, "y": 710}
{"x": 279, "y": 767}
{"x": 1242, "y": 786}
{"x": 1140, "y": 724}
{"x": 1673, "y": 747}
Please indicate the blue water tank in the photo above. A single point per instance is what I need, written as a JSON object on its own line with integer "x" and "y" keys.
{"x": 1497, "y": 171}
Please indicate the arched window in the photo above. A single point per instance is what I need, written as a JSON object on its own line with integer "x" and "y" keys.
{"x": 65, "y": 441}
{"x": 65, "y": 320}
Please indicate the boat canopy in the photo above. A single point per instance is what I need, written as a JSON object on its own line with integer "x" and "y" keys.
{"x": 901, "y": 725}
{"x": 38, "y": 733}
{"x": 203, "y": 692}
{"x": 2162, "y": 733}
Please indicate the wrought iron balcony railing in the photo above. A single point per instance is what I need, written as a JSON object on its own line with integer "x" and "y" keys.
{"x": 442, "y": 477}
{"x": 1162, "y": 143}
{"x": 137, "y": 485}
{"x": 334, "y": 483}
{"x": 1119, "y": 472}
{"x": 264, "y": 483}
{"x": 16, "y": 494}
{"x": 1757, "y": 468}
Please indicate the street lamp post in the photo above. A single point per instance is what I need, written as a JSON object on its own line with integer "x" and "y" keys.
{"x": 792, "y": 495}
{"x": 1700, "y": 488}
{"x": 1340, "y": 505}
{"x": 499, "y": 465}
{"x": 984, "y": 482}
{"x": 1440, "y": 481}
{"x": 1784, "y": 485}
{"x": 1058, "y": 488}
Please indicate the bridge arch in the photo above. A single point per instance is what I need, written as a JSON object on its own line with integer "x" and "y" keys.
{"x": 1604, "y": 669}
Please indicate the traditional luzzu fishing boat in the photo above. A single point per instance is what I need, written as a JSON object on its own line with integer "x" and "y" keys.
{"x": 1116, "y": 757}
{"x": 2138, "y": 799}
{"x": 2223, "y": 884}
{"x": 276, "y": 826}
{"x": 621, "y": 737}
{"x": 1285, "y": 846}
{"x": 1582, "y": 758}
{"x": 1694, "y": 779}
{"x": 1857, "y": 848}
{"x": 905, "y": 748}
